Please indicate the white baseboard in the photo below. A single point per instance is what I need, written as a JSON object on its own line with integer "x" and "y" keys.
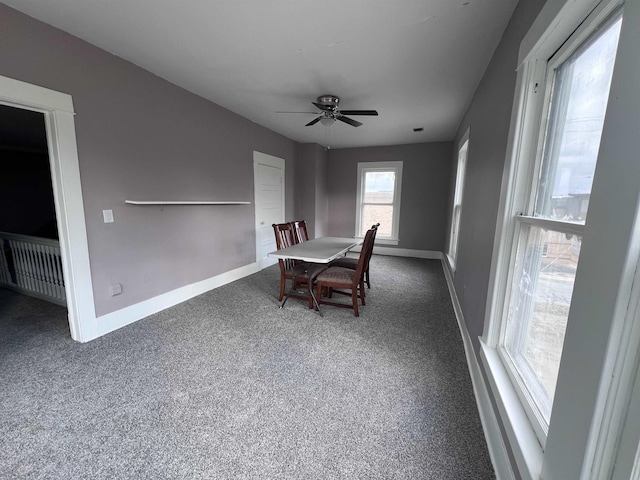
{"x": 492, "y": 433}
{"x": 120, "y": 318}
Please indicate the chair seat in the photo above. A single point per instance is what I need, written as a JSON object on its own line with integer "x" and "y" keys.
{"x": 347, "y": 262}
{"x": 307, "y": 271}
{"x": 346, "y": 278}
{"x": 337, "y": 275}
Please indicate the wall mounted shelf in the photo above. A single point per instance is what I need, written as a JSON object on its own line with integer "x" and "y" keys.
{"x": 179, "y": 202}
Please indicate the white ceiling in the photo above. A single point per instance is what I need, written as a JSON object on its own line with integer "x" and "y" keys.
{"x": 417, "y": 62}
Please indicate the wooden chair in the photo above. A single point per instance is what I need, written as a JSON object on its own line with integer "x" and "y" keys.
{"x": 300, "y": 231}
{"x": 346, "y": 278}
{"x": 352, "y": 262}
{"x": 299, "y": 273}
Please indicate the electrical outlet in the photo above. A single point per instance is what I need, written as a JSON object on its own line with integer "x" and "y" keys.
{"x": 115, "y": 289}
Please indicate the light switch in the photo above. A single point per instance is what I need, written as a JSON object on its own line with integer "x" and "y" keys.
{"x": 115, "y": 289}
{"x": 108, "y": 216}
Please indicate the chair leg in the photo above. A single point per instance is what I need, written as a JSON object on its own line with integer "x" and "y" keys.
{"x": 310, "y": 299}
{"x": 367, "y": 279}
{"x": 283, "y": 282}
{"x": 354, "y": 298}
{"x": 362, "y": 291}
{"x": 319, "y": 288}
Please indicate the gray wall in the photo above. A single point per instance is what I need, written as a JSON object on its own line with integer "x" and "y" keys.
{"x": 310, "y": 188}
{"x": 321, "y": 197}
{"x": 488, "y": 120}
{"x": 140, "y": 137}
{"x": 426, "y": 173}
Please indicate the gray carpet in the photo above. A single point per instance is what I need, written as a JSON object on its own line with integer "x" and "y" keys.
{"x": 227, "y": 385}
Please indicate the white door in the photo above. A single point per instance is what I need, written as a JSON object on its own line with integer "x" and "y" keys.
{"x": 268, "y": 173}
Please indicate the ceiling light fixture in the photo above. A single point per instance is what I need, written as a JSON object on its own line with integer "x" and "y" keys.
{"x": 327, "y": 121}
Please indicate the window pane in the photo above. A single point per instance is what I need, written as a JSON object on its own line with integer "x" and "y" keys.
{"x": 580, "y": 93}
{"x": 382, "y": 214}
{"x": 541, "y": 292}
{"x": 378, "y": 187}
{"x": 455, "y": 230}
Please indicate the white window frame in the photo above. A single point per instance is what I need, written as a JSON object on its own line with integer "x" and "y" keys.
{"x": 363, "y": 169}
{"x": 572, "y": 24}
{"x": 456, "y": 212}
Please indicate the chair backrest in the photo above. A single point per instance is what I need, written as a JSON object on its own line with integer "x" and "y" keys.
{"x": 365, "y": 255}
{"x": 374, "y": 227}
{"x": 285, "y": 237}
{"x": 375, "y": 231}
{"x": 300, "y": 231}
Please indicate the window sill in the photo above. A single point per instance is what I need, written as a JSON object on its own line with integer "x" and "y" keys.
{"x": 386, "y": 241}
{"x": 521, "y": 437}
{"x": 383, "y": 241}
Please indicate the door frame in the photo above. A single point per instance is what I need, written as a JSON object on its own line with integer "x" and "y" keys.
{"x": 59, "y": 115}
{"x": 260, "y": 158}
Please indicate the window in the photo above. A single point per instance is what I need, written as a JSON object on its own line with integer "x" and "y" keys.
{"x": 457, "y": 200}
{"x": 379, "y": 199}
{"x": 551, "y": 194}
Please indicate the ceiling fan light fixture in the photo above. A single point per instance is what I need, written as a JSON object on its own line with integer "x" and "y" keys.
{"x": 327, "y": 121}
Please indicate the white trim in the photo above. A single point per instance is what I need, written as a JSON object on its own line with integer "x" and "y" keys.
{"x": 270, "y": 160}
{"x": 38, "y": 98}
{"x": 549, "y": 224}
{"x": 553, "y": 25}
{"x": 260, "y": 158}
{"x": 525, "y": 108}
{"x": 458, "y": 199}
{"x": 181, "y": 202}
{"x": 521, "y": 436}
{"x": 67, "y": 192}
{"x": 403, "y": 252}
{"x": 620, "y": 369}
{"x": 490, "y": 425}
{"x": 126, "y": 316}
{"x": 524, "y": 159}
{"x": 406, "y": 252}
{"x": 397, "y": 195}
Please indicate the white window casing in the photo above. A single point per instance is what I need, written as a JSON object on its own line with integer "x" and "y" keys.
{"x": 388, "y": 205}
{"x": 456, "y": 214}
{"x": 556, "y": 23}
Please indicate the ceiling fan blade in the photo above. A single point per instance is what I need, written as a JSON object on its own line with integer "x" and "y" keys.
{"x": 359, "y": 112}
{"x": 313, "y": 122}
{"x": 350, "y": 121}
{"x": 313, "y": 113}
{"x": 327, "y": 108}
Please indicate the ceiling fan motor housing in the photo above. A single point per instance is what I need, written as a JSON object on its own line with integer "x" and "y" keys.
{"x": 330, "y": 112}
{"x": 330, "y": 101}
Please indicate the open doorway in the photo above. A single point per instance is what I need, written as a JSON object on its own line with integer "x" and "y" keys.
{"x": 30, "y": 259}
{"x": 57, "y": 109}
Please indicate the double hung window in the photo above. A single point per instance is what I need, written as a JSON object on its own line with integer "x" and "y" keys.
{"x": 378, "y": 194}
{"x": 457, "y": 200}
{"x": 551, "y": 191}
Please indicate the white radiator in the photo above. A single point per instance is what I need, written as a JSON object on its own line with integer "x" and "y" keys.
{"x": 33, "y": 266}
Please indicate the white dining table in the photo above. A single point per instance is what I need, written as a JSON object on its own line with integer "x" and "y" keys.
{"x": 317, "y": 250}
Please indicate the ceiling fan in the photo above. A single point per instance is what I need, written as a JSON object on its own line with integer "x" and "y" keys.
{"x": 328, "y": 104}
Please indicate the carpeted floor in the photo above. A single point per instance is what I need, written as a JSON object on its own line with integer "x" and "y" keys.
{"x": 227, "y": 385}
